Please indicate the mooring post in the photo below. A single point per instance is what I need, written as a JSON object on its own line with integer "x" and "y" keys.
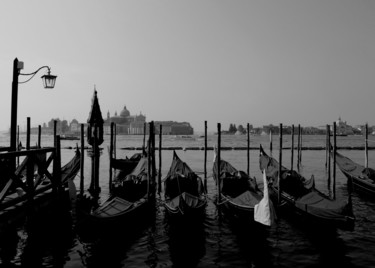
{"x": 329, "y": 158}
{"x": 218, "y": 162}
{"x": 144, "y": 135}
{"x": 111, "y": 157}
{"x": 366, "y": 146}
{"x": 153, "y": 155}
{"x": 81, "y": 183}
{"x": 114, "y": 141}
{"x": 298, "y": 146}
{"x": 39, "y": 136}
{"x": 19, "y": 147}
{"x": 280, "y": 163}
{"x": 205, "y": 156}
{"x": 292, "y": 150}
{"x": 28, "y": 134}
{"x": 30, "y": 164}
{"x": 271, "y": 141}
{"x": 149, "y": 161}
{"x": 248, "y": 149}
{"x": 54, "y": 132}
{"x": 327, "y": 145}
{"x": 160, "y": 160}
{"x": 58, "y": 166}
{"x": 334, "y": 160}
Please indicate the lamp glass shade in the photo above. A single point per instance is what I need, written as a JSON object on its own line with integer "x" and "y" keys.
{"x": 49, "y": 80}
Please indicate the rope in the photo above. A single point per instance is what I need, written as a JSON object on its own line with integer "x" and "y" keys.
{"x": 225, "y": 201}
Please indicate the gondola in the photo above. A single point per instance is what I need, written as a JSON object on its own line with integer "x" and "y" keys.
{"x": 129, "y": 201}
{"x": 239, "y": 192}
{"x": 125, "y": 166}
{"x": 300, "y": 196}
{"x": 183, "y": 191}
{"x": 361, "y": 178}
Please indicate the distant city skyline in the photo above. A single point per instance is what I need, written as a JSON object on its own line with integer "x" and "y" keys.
{"x": 229, "y": 62}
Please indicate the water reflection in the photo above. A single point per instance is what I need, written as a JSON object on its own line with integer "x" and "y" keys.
{"x": 244, "y": 239}
{"x": 8, "y": 245}
{"x": 186, "y": 241}
{"x": 109, "y": 247}
{"x": 44, "y": 240}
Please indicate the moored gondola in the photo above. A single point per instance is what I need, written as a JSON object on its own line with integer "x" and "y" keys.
{"x": 183, "y": 191}
{"x": 239, "y": 192}
{"x": 299, "y": 195}
{"x": 361, "y": 179}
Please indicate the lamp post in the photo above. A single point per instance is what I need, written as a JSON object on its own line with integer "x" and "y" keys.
{"x": 48, "y": 82}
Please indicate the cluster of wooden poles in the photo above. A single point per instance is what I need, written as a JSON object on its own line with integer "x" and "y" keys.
{"x": 299, "y": 148}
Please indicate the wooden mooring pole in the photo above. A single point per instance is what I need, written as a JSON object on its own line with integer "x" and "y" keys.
{"x": 28, "y": 134}
{"x": 111, "y": 156}
{"x": 81, "y": 182}
{"x": 366, "y": 145}
{"x": 280, "y": 163}
{"x": 328, "y": 156}
{"x": 334, "y": 161}
{"x": 39, "y": 136}
{"x": 248, "y": 149}
{"x": 292, "y": 150}
{"x": 271, "y": 141}
{"x": 205, "y": 156}
{"x": 54, "y": 132}
{"x": 160, "y": 159}
{"x": 144, "y": 135}
{"x": 218, "y": 162}
{"x": 298, "y": 147}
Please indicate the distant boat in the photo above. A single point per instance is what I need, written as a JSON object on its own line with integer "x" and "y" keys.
{"x": 69, "y": 137}
{"x": 184, "y": 137}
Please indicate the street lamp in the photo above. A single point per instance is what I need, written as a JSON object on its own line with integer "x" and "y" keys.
{"x": 48, "y": 82}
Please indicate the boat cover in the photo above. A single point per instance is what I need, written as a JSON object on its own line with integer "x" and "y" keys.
{"x": 134, "y": 185}
{"x": 356, "y": 170}
{"x": 246, "y": 199}
{"x": 233, "y": 181}
{"x": 185, "y": 200}
{"x": 181, "y": 178}
{"x": 70, "y": 169}
{"x": 305, "y": 196}
{"x": 112, "y": 208}
{"x": 316, "y": 204}
{"x": 291, "y": 182}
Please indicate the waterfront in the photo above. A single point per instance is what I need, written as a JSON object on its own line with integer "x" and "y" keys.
{"x": 217, "y": 242}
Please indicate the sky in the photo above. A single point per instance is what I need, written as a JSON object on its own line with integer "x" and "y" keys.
{"x": 229, "y": 62}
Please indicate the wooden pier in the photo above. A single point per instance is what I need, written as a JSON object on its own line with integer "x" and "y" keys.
{"x": 30, "y": 187}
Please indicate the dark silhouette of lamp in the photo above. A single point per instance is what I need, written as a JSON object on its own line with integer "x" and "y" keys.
{"x": 48, "y": 82}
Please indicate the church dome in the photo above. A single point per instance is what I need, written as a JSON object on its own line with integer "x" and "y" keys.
{"x": 125, "y": 112}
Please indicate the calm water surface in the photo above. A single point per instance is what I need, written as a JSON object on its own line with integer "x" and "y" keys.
{"x": 51, "y": 241}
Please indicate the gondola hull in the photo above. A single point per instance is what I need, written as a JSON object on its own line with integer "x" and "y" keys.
{"x": 354, "y": 172}
{"x": 184, "y": 195}
{"x": 305, "y": 201}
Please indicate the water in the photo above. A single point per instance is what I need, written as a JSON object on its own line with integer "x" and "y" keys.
{"x": 218, "y": 242}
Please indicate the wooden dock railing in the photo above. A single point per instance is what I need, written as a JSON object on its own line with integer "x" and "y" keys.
{"x": 31, "y": 177}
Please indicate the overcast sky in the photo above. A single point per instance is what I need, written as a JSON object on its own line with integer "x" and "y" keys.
{"x": 257, "y": 62}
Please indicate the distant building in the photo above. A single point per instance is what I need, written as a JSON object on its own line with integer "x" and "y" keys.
{"x": 342, "y": 128}
{"x": 125, "y": 123}
{"x": 174, "y": 128}
{"x": 74, "y": 126}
